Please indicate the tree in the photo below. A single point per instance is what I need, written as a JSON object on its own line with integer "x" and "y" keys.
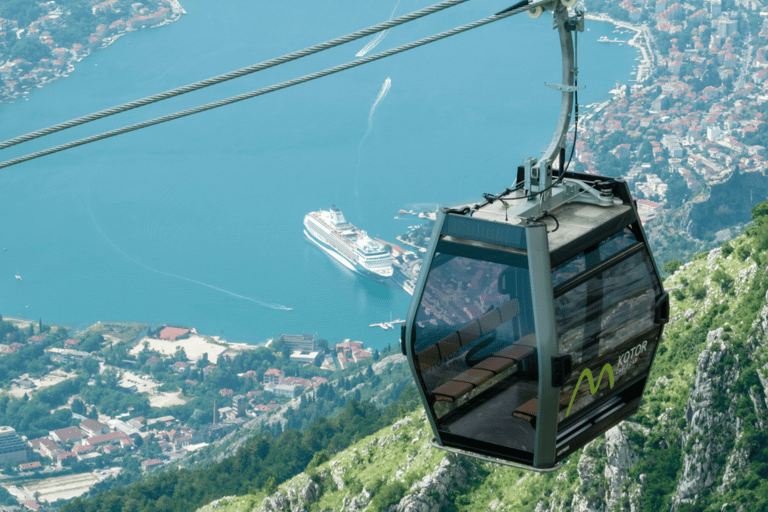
{"x": 90, "y": 366}
{"x": 92, "y": 342}
{"x": 131, "y": 465}
{"x": 23, "y": 11}
{"x": 760, "y": 229}
{"x": 671, "y": 266}
{"x": 78, "y": 407}
{"x": 180, "y": 355}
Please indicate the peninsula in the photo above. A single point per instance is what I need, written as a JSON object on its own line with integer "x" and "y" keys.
{"x": 41, "y": 42}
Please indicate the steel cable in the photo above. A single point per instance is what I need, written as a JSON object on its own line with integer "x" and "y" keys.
{"x": 233, "y": 74}
{"x": 276, "y": 87}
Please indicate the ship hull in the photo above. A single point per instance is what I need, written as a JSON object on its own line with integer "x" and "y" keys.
{"x": 334, "y": 254}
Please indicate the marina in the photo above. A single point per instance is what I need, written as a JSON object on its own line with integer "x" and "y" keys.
{"x": 604, "y": 39}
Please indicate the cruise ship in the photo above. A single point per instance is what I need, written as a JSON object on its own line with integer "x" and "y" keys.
{"x": 353, "y": 248}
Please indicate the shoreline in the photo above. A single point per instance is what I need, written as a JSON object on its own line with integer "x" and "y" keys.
{"x": 196, "y": 340}
{"x": 645, "y": 68}
{"x": 69, "y": 66}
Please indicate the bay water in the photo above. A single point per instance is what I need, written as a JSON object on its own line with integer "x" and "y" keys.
{"x": 198, "y": 222}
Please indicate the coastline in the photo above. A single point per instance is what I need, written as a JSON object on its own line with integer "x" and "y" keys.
{"x": 641, "y": 41}
{"x": 13, "y": 88}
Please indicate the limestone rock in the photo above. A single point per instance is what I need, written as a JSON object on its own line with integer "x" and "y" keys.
{"x": 709, "y": 428}
{"x": 430, "y": 494}
{"x": 393, "y": 359}
{"x": 620, "y": 457}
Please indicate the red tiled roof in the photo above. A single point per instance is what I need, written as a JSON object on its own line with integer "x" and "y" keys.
{"x": 69, "y": 433}
{"x": 105, "y": 438}
{"x": 171, "y": 333}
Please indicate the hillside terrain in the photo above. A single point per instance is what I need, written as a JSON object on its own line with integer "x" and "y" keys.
{"x": 699, "y": 441}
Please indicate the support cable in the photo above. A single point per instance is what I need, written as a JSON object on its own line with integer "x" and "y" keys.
{"x": 233, "y": 74}
{"x": 276, "y": 87}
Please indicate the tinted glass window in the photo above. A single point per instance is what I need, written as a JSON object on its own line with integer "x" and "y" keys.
{"x": 607, "y": 248}
{"x": 475, "y": 348}
{"x": 601, "y": 324}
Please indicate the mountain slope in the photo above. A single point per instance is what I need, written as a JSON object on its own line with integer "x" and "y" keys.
{"x": 698, "y": 442}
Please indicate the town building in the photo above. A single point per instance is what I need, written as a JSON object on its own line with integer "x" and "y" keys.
{"x": 64, "y": 435}
{"x": 93, "y": 427}
{"x": 104, "y": 439}
{"x": 305, "y": 342}
{"x": 305, "y": 357}
{"x": 273, "y": 376}
{"x": 238, "y": 404}
{"x": 66, "y": 355}
{"x": 13, "y": 449}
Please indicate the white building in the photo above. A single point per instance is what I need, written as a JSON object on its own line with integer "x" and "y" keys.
{"x": 12, "y": 448}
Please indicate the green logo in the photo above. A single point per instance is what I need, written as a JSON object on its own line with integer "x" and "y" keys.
{"x": 592, "y": 386}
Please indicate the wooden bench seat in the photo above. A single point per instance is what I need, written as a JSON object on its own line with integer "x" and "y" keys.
{"x": 467, "y": 335}
{"x": 452, "y": 390}
{"x": 528, "y": 411}
{"x": 481, "y": 373}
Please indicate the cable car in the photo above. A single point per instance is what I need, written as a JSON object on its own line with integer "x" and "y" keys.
{"x": 537, "y": 313}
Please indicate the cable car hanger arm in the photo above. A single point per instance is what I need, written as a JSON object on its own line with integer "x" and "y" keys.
{"x": 544, "y": 194}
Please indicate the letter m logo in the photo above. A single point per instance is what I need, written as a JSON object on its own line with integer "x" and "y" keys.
{"x": 592, "y": 386}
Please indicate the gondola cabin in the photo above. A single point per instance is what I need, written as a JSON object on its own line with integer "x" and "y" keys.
{"x": 530, "y": 335}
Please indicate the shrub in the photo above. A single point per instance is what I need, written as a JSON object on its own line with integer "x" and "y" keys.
{"x": 671, "y": 266}
{"x": 388, "y": 494}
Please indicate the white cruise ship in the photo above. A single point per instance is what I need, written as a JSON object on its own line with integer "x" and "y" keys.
{"x": 351, "y": 247}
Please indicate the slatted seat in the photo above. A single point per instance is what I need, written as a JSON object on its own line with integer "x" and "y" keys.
{"x": 474, "y": 376}
{"x": 495, "y": 364}
{"x": 515, "y": 352}
{"x": 528, "y": 411}
{"x": 482, "y": 372}
{"x": 452, "y": 390}
{"x": 429, "y": 357}
{"x": 467, "y": 335}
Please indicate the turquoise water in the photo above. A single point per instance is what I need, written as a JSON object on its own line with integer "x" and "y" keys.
{"x": 199, "y": 221}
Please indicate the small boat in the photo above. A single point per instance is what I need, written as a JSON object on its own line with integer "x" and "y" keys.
{"x": 18, "y": 277}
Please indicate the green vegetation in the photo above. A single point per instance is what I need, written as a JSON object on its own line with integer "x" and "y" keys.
{"x": 263, "y": 462}
{"x": 23, "y": 11}
{"x": 671, "y": 266}
{"x": 30, "y": 50}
